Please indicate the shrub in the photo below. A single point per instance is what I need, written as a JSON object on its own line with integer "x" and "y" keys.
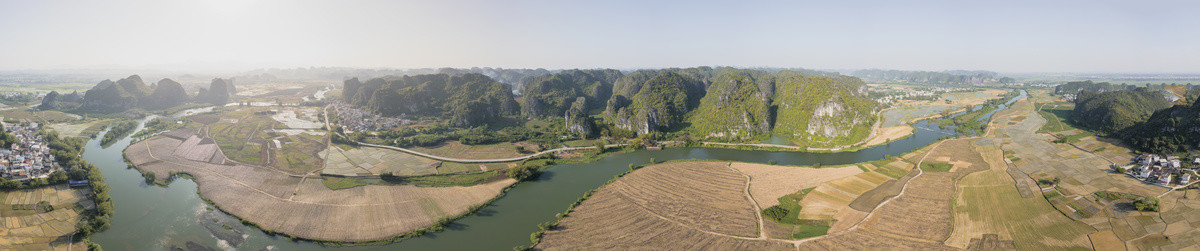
{"x": 524, "y": 172}
{"x": 1149, "y": 203}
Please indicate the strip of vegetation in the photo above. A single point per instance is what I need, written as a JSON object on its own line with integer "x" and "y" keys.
{"x": 1055, "y": 117}
{"x": 788, "y": 213}
{"x": 117, "y": 131}
{"x": 1073, "y": 138}
{"x": 930, "y": 166}
{"x": 157, "y": 125}
{"x": 974, "y": 122}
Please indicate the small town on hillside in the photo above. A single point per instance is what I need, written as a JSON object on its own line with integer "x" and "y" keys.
{"x": 27, "y": 158}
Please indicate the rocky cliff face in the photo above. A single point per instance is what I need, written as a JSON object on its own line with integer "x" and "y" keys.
{"x": 577, "y": 119}
{"x": 660, "y": 102}
{"x": 831, "y": 119}
{"x": 552, "y": 94}
{"x": 738, "y": 105}
{"x": 823, "y": 111}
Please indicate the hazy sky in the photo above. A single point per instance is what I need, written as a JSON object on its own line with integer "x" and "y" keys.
{"x": 1008, "y": 36}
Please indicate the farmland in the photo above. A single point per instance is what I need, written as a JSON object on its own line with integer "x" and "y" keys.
{"x": 455, "y": 149}
{"x": 988, "y": 202}
{"x": 680, "y": 205}
{"x": 356, "y": 161}
{"x": 768, "y": 182}
{"x": 304, "y": 207}
{"x": 283, "y": 138}
{"x": 896, "y": 121}
{"x": 25, "y": 224}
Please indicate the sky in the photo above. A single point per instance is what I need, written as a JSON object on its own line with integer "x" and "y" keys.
{"x": 1005, "y": 36}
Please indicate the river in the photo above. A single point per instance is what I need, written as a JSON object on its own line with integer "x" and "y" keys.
{"x": 157, "y": 218}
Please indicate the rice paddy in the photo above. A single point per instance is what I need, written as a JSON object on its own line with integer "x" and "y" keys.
{"x": 25, "y": 224}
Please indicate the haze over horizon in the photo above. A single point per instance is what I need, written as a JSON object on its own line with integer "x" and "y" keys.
{"x": 1013, "y": 36}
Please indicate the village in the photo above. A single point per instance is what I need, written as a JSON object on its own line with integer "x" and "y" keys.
{"x": 29, "y": 157}
{"x": 355, "y": 119}
{"x": 1163, "y": 170}
{"x": 924, "y": 92}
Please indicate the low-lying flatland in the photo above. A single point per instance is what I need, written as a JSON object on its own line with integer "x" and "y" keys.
{"x": 455, "y": 149}
{"x": 284, "y": 138}
{"x": 304, "y": 207}
{"x": 367, "y": 161}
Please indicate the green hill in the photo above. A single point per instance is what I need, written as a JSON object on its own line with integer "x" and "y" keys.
{"x": 553, "y": 94}
{"x": 467, "y": 99}
{"x": 1176, "y": 129}
{"x": 660, "y": 103}
{"x": 737, "y": 105}
{"x": 823, "y": 111}
{"x": 1116, "y": 110}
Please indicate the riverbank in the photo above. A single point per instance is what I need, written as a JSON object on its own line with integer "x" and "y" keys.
{"x": 503, "y": 222}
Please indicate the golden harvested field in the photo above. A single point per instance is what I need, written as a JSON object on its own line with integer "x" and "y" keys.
{"x": 833, "y": 198}
{"x": 23, "y": 113}
{"x": 374, "y": 161}
{"x": 769, "y": 182}
{"x": 304, "y": 207}
{"x": 678, "y": 206}
{"x": 74, "y": 129}
{"x": 454, "y": 149}
{"x": 34, "y": 229}
{"x": 988, "y": 203}
{"x": 886, "y": 134}
{"x": 1106, "y": 241}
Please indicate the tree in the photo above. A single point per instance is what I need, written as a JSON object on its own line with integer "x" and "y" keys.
{"x": 1148, "y": 203}
{"x": 523, "y": 172}
{"x": 600, "y": 148}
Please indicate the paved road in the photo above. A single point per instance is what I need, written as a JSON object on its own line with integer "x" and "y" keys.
{"x": 482, "y": 160}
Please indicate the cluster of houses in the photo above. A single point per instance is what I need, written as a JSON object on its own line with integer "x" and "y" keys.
{"x": 355, "y": 119}
{"x": 27, "y": 158}
{"x": 1159, "y": 169}
{"x": 931, "y": 92}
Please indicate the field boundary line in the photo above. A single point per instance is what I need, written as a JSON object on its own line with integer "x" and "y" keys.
{"x": 762, "y": 228}
{"x": 644, "y": 209}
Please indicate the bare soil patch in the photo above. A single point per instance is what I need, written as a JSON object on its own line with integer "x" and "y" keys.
{"x": 886, "y": 134}
{"x": 769, "y": 182}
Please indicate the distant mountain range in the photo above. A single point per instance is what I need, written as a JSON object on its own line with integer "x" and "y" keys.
{"x": 954, "y": 77}
{"x": 131, "y": 92}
